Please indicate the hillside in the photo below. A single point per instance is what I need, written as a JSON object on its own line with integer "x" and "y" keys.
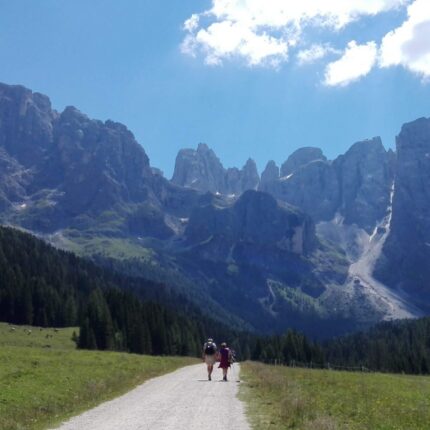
{"x": 40, "y": 285}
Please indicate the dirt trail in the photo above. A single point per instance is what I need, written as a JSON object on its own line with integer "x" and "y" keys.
{"x": 182, "y": 400}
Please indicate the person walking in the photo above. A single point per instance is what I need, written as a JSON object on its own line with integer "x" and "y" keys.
{"x": 209, "y": 356}
{"x": 225, "y": 356}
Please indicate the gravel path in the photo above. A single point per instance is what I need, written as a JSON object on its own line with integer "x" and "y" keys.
{"x": 182, "y": 400}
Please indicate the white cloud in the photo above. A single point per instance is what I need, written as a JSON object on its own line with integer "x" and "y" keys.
{"x": 265, "y": 32}
{"x": 409, "y": 45}
{"x": 225, "y": 39}
{"x": 356, "y": 62}
{"x": 262, "y": 31}
{"x": 315, "y": 53}
{"x": 192, "y": 23}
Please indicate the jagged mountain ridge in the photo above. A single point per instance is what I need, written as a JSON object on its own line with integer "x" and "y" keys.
{"x": 88, "y": 186}
{"x": 202, "y": 170}
{"x": 356, "y": 185}
{"x": 67, "y": 170}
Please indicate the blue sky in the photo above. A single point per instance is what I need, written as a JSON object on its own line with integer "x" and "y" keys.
{"x": 226, "y": 72}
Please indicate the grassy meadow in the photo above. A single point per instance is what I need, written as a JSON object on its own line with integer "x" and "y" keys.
{"x": 44, "y": 379}
{"x": 286, "y": 398}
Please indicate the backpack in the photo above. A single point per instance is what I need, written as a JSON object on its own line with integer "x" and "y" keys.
{"x": 210, "y": 349}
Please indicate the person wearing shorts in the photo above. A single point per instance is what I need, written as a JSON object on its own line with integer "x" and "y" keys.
{"x": 209, "y": 356}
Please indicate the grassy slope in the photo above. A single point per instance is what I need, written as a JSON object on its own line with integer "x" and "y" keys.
{"x": 40, "y": 385}
{"x": 108, "y": 247}
{"x": 286, "y": 398}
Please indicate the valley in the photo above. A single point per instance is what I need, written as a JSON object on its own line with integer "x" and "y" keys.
{"x": 308, "y": 244}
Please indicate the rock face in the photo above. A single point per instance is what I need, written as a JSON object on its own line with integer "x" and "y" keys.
{"x": 202, "y": 170}
{"x": 313, "y": 187}
{"x": 256, "y": 251}
{"x": 96, "y": 163}
{"x": 269, "y": 175}
{"x": 300, "y": 158}
{"x": 65, "y": 169}
{"x": 13, "y": 181}
{"x": 255, "y": 219}
{"x": 365, "y": 179}
{"x": 356, "y": 186}
{"x": 249, "y": 176}
{"x": 26, "y": 122}
{"x": 199, "y": 169}
{"x": 405, "y": 262}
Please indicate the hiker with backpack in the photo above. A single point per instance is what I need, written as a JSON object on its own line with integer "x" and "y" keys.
{"x": 209, "y": 356}
{"x": 226, "y": 358}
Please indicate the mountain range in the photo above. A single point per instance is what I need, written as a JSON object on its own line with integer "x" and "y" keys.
{"x": 325, "y": 246}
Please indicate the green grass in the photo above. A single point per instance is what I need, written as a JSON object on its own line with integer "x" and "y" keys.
{"x": 287, "y": 398}
{"x": 91, "y": 243}
{"x": 40, "y": 337}
{"x": 42, "y": 385}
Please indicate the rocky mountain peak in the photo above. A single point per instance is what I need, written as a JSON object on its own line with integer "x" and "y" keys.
{"x": 26, "y": 119}
{"x": 203, "y": 147}
{"x": 365, "y": 174}
{"x": 249, "y": 176}
{"x": 199, "y": 169}
{"x": 66, "y": 165}
{"x": 301, "y": 157}
{"x": 72, "y": 111}
{"x": 202, "y": 170}
{"x": 270, "y": 174}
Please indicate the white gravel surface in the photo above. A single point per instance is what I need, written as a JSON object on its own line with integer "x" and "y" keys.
{"x": 182, "y": 400}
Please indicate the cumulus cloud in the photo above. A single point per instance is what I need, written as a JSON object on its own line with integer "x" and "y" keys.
{"x": 315, "y": 53}
{"x": 261, "y": 32}
{"x": 356, "y": 62}
{"x": 267, "y": 32}
{"x": 409, "y": 45}
{"x": 226, "y": 39}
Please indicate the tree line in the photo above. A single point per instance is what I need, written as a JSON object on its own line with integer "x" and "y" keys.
{"x": 395, "y": 346}
{"x": 43, "y": 286}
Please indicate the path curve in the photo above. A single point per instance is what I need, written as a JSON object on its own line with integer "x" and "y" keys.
{"x": 182, "y": 400}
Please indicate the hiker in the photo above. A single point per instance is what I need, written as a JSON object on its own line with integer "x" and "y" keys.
{"x": 225, "y": 356}
{"x": 209, "y": 356}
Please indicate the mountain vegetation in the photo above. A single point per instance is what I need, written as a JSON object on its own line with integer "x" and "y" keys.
{"x": 42, "y": 286}
{"x": 401, "y": 346}
{"x": 396, "y": 346}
